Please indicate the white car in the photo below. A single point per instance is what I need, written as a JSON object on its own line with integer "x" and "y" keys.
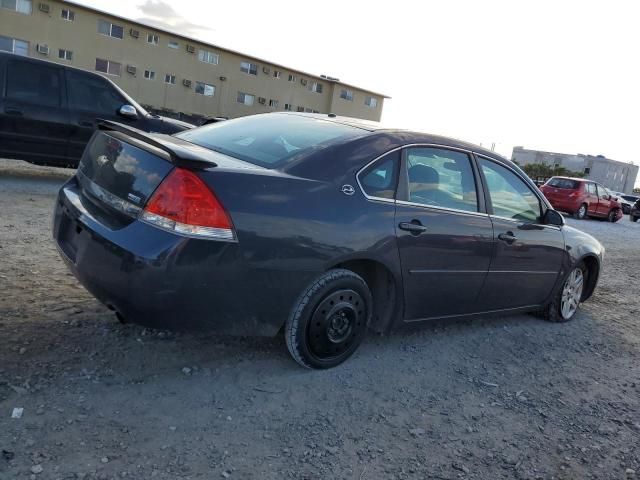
{"x": 626, "y": 201}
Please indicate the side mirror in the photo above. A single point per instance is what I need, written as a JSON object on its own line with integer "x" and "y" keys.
{"x": 128, "y": 111}
{"x": 552, "y": 217}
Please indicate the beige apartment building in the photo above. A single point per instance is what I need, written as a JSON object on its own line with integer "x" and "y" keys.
{"x": 170, "y": 73}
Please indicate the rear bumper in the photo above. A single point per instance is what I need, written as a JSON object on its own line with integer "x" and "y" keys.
{"x": 160, "y": 279}
{"x": 565, "y": 205}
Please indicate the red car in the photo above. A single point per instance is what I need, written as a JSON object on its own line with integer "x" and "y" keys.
{"x": 582, "y": 198}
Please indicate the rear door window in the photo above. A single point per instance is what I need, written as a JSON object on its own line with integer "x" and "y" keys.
{"x": 591, "y": 189}
{"x": 441, "y": 178}
{"x": 34, "y": 83}
{"x": 380, "y": 179}
{"x": 92, "y": 94}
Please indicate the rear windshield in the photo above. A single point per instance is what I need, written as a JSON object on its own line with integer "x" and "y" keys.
{"x": 270, "y": 140}
{"x": 563, "y": 183}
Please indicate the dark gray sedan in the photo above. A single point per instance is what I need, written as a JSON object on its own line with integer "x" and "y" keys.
{"x": 317, "y": 226}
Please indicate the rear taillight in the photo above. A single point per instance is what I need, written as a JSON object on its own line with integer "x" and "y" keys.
{"x": 182, "y": 203}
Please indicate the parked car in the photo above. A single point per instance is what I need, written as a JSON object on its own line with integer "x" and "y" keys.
{"x": 208, "y": 120}
{"x": 582, "y": 198}
{"x": 318, "y": 225}
{"x": 48, "y": 111}
{"x": 634, "y": 214}
{"x": 626, "y": 201}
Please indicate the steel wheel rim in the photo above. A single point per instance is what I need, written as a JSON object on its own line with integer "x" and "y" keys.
{"x": 572, "y": 293}
{"x": 336, "y": 324}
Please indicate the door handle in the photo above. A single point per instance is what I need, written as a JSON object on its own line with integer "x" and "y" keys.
{"x": 415, "y": 227}
{"x": 508, "y": 237}
{"x": 13, "y": 111}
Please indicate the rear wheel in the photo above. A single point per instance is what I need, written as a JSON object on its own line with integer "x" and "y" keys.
{"x": 565, "y": 304}
{"x": 633, "y": 219}
{"x": 581, "y": 213}
{"x": 329, "y": 320}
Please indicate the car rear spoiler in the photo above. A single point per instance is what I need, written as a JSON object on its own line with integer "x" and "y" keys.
{"x": 180, "y": 152}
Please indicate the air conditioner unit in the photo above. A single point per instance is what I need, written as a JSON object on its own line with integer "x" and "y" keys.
{"x": 43, "y": 49}
{"x": 134, "y": 33}
{"x": 223, "y": 79}
{"x": 44, "y": 7}
{"x": 191, "y": 49}
{"x": 266, "y": 70}
{"x": 303, "y": 81}
{"x": 132, "y": 69}
{"x": 186, "y": 83}
{"x": 262, "y": 100}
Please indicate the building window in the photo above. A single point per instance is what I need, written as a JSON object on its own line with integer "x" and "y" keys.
{"x": 110, "y": 29}
{"x": 246, "y": 98}
{"x": 20, "y": 6}
{"x": 300, "y": 109}
{"x": 205, "y": 89}
{"x": 68, "y": 15}
{"x": 13, "y": 45}
{"x": 174, "y": 45}
{"x": 153, "y": 39}
{"x": 292, "y": 78}
{"x": 149, "y": 74}
{"x": 273, "y": 103}
{"x": 587, "y": 170}
{"x": 208, "y": 57}
{"x": 170, "y": 79}
{"x": 65, "y": 54}
{"x": 371, "y": 102}
{"x": 108, "y": 67}
{"x": 346, "y": 94}
{"x": 288, "y": 107}
{"x": 276, "y": 74}
{"x": 316, "y": 87}
{"x": 250, "y": 68}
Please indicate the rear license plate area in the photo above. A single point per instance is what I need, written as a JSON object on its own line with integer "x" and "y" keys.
{"x": 70, "y": 231}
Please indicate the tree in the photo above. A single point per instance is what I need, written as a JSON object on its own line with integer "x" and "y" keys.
{"x": 542, "y": 170}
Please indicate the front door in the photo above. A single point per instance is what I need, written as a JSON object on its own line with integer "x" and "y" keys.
{"x": 33, "y": 117}
{"x": 444, "y": 238}
{"x": 91, "y": 98}
{"x": 527, "y": 255}
{"x": 591, "y": 197}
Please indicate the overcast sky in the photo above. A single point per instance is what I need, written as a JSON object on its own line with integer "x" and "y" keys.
{"x": 551, "y": 75}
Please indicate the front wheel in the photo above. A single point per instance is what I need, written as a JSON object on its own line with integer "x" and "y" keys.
{"x": 565, "y": 304}
{"x": 613, "y": 216}
{"x": 329, "y": 320}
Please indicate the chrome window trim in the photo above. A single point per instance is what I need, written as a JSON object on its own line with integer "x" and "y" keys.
{"x": 444, "y": 209}
{"x": 373, "y": 197}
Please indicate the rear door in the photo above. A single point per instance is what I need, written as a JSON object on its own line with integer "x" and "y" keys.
{"x": 591, "y": 198}
{"x": 34, "y": 122}
{"x": 527, "y": 254}
{"x": 444, "y": 236}
{"x": 91, "y": 97}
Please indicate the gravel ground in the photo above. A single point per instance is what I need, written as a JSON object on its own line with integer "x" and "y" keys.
{"x": 502, "y": 398}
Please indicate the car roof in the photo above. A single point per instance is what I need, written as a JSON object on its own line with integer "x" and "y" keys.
{"x": 577, "y": 179}
{"x": 409, "y": 136}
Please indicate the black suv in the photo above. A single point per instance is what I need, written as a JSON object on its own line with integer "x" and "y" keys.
{"x": 48, "y": 111}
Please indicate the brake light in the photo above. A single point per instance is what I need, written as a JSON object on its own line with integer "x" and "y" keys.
{"x": 184, "y": 204}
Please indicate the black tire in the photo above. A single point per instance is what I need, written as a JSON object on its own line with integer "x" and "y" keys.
{"x": 553, "y": 311}
{"x": 581, "y": 213}
{"x": 329, "y": 320}
{"x": 633, "y": 219}
{"x": 613, "y": 215}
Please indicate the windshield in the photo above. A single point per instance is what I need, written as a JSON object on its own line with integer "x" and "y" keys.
{"x": 270, "y": 140}
{"x": 562, "y": 183}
